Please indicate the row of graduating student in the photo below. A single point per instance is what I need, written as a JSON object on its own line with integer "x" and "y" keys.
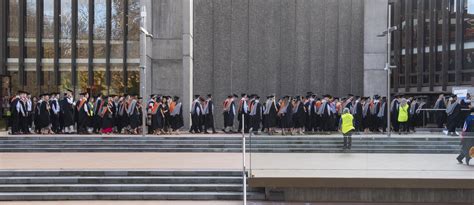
{"x": 123, "y": 114}
{"x": 299, "y": 114}
{"x": 50, "y": 114}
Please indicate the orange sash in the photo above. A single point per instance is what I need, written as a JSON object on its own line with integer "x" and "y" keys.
{"x": 172, "y": 106}
{"x": 81, "y": 103}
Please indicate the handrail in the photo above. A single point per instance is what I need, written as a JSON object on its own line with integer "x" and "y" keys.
{"x": 244, "y": 175}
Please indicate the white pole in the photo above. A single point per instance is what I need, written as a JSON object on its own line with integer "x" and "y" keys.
{"x": 244, "y": 176}
{"x": 387, "y": 66}
{"x": 143, "y": 61}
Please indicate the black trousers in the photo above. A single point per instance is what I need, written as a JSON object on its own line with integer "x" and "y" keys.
{"x": 348, "y": 139}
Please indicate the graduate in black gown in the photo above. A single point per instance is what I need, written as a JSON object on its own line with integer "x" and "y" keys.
{"x": 134, "y": 114}
{"x": 54, "y": 112}
{"x": 44, "y": 115}
{"x": 441, "y": 113}
{"x": 15, "y": 114}
{"x": 83, "y": 109}
{"x": 299, "y": 115}
{"x": 256, "y": 112}
{"x": 106, "y": 115}
{"x": 196, "y": 112}
{"x": 67, "y": 112}
{"x": 229, "y": 113}
{"x": 286, "y": 115}
{"x": 454, "y": 114}
{"x": 270, "y": 113}
{"x": 209, "y": 115}
{"x": 176, "y": 113}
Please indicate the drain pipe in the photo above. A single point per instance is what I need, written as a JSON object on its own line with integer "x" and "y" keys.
{"x": 244, "y": 175}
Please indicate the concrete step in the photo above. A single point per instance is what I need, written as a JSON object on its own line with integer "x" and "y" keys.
{"x": 51, "y": 173}
{"x": 312, "y": 144}
{"x": 123, "y": 185}
{"x": 48, "y": 196}
{"x": 121, "y": 188}
{"x": 122, "y": 180}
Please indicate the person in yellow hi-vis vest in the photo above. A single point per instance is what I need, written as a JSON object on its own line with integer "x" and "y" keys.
{"x": 403, "y": 116}
{"x": 347, "y": 127}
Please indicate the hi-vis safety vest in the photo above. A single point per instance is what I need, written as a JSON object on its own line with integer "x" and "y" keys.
{"x": 403, "y": 114}
{"x": 347, "y": 123}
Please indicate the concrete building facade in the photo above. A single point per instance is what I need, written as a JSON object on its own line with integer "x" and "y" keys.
{"x": 284, "y": 47}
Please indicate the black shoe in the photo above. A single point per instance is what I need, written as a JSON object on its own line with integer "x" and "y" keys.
{"x": 459, "y": 160}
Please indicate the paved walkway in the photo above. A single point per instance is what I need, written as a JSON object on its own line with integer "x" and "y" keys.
{"x": 180, "y": 203}
{"x": 262, "y": 164}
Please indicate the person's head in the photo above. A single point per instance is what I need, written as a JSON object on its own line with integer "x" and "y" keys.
{"x": 209, "y": 96}
{"x": 46, "y": 97}
{"x": 441, "y": 96}
{"x": 403, "y": 102}
{"x": 346, "y": 110}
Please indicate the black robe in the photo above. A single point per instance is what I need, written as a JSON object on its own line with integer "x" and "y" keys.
{"x": 177, "y": 121}
{"x": 15, "y": 116}
{"x": 454, "y": 118}
{"x": 299, "y": 116}
{"x": 44, "y": 115}
{"x": 67, "y": 113}
{"x": 107, "y": 117}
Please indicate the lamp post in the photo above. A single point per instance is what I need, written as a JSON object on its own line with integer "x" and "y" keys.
{"x": 388, "y": 67}
{"x": 146, "y": 34}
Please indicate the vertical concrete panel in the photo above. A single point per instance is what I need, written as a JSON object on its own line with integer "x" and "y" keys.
{"x": 375, "y": 22}
{"x": 303, "y": 52}
{"x": 203, "y": 46}
{"x": 264, "y": 46}
{"x": 289, "y": 75}
{"x": 167, "y": 76}
{"x": 357, "y": 48}
{"x": 317, "y": 45}
{"x": 331, "y": 47}
{"x": 344, "y": 48}
{"x": 167, "y": 14}
{"x": 222, "y": 52}
{"x": 240, "y": 46}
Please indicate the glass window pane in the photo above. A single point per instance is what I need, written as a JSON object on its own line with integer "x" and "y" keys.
{"x": 30, "y": 30}
{"x": 83, "y": 29}
{"x": 468, "y": 62}
{"x": 117, "y": 29}
{"x": 13, "y": 18}
{"x": 117, "y": 85}
{"x": 99, "y": 28}
{"x": 48, "y": 29}
{"x": 133, "y": 45}
{"x": 133, "y": 81}
{"x": 66, "y": 28}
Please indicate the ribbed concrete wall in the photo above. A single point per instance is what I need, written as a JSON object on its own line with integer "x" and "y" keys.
{"x": 286, "y": 47}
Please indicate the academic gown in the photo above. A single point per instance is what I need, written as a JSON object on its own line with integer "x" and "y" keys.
{"x": 15, "y": 120}
{"x": 209, "y": 117}
{"x": 177, "y": 121}
{"x": 257, "y": 118}
{"x": 229, "y": 116}
{"x": 67, "y": 112}
{"x": 454, "y": 118}
{"x": 299, "y": 116}
{"x": 271, "y": 117}
{"x": 107, "y": 119}
{"x": 44, "y": 115}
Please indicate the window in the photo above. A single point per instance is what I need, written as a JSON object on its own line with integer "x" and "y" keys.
{"x": 99, "y": 28}
{"x": 468, "y": 52}
{"x": 118, "y": 25}
{"x": 66, "y": 28}
{"x": 13, "y": 29}
{"x": 48, "y": 29}
{"x": 83, "y": 29}
{"x": 30, "y": 29}
{"x": 133, "y": 41}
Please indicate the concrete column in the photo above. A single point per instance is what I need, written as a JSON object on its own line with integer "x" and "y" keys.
{"x": 187, "y": 59}
{"x": 375, "y": 48}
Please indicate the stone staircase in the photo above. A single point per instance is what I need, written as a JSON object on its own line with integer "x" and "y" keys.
{"x": 123, "y": 185}
{"x": 216, "y": 143}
